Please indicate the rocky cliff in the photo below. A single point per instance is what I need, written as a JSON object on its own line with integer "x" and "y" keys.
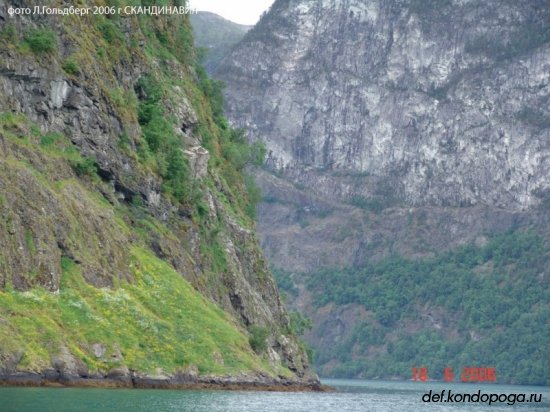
{"x": 392, "y": 128}
{"x": 126, "y": 248}
{"x": 380, "y": 88}
{"x": 408, "y": 103}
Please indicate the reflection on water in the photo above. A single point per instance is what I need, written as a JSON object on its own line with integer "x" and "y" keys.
{"x": 351, "y": 396}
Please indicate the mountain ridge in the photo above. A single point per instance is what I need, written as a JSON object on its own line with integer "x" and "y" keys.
{"x": 394, "y": 130}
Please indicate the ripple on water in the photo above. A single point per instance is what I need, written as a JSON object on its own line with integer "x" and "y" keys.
{"x": 351, "y": 396}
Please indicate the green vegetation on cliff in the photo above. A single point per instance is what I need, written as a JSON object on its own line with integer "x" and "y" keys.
{"x": 126, "y": 218}
{"x": 473, "y": 306}
{"x": 153, "y": 321}
{"x": 158, "y": 321}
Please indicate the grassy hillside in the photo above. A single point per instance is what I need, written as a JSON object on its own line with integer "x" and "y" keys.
{"x": 151, "y": 320}
{"x": 156, "y": 323}
{"x": 126, "y": 218}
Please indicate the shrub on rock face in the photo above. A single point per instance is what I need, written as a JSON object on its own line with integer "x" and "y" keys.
{"x": 110, "y": 32}
{"x": 41, "y": 41}
{"x": 8, "y": 33}
{"x": 71, "y": 66}
{"x": 258, "y": 338}
{"x": 85, "y": 166}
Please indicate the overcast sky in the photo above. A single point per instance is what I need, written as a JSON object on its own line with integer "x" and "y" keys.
{"x": 239, "y": 11}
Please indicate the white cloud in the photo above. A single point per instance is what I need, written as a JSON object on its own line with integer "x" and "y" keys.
{"x": 238, "y": 11}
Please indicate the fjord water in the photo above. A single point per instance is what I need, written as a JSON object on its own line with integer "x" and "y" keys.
{"x": 350, "y": 396}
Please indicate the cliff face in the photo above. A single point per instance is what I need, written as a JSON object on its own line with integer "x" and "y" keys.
{"x": 440, "y": 104}
{"x": 114, "y": 182}
{"x": 392, "y": 128}
{"x": 400, "y": 104}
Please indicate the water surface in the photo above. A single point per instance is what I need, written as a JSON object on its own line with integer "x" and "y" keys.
{"x": 351, "y": 396}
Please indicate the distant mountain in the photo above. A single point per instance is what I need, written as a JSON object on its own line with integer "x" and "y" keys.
{"x": 407, "y": 190}
{"x": 216, "y": 34}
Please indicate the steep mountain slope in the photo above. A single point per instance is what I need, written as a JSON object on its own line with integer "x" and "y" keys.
{"x": 396, "y": 129}
{"x": 368, "y": 104}
{"x": 127, "y": 245}
{"x": 405, "y": 100}
{"x": 216, "y": 34}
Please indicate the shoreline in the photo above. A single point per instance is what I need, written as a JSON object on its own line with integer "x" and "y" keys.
{"x": 200, "y": 383}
